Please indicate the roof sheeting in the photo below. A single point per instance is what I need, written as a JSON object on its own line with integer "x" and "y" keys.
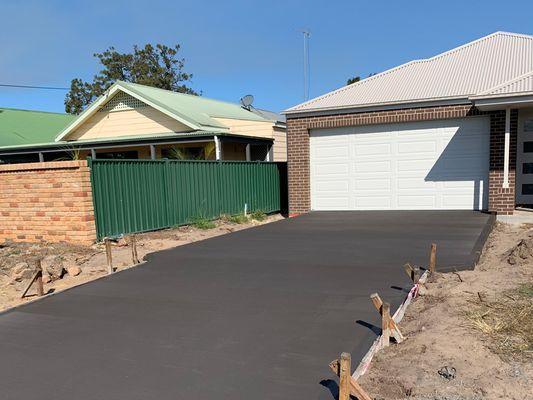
{"x": 196, "y": 112}
{"x": 521, "y": 85}
{"x": 200, "y": 110}
{"x": 459, "y": 73}
{"x": 25, "y": 127}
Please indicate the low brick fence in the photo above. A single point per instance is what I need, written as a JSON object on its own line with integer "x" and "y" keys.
{"x": 49, "y": 201}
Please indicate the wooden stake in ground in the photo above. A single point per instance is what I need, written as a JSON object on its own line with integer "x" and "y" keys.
{"x": 134, "y": 256}
{"x": 385, "y": 321}
{"x": 109, "y": 256}
{"x": 38, "y": 278}
{"x": 344, "y": 376}
{"x": 393, "y": 327}
{"x": 341, "y": 368}
{"x": 433, "y": 258}
{"x": 412, "y": 272}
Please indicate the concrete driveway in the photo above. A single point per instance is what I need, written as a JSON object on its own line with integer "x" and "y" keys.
{"x": 256, "y": 314}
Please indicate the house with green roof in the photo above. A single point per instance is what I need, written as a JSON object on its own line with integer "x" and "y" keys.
{"x": 132, "y": 121}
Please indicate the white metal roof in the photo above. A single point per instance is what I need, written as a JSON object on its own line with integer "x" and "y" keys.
{"x": 501, "y": 61}
{"x": 521, "y": 85}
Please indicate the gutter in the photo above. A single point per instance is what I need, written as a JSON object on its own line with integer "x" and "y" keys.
{"x": 376, "y": 107}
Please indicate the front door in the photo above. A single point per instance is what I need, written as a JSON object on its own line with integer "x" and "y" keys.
{"x": 524, "y": 158}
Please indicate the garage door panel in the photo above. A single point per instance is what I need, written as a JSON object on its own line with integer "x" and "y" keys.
{"x": 333, "y": 169}
{"x": 378, "y": 149}
{"x": 334, "y": 203}
{"x": 409, "y": 147}
{"x": 372, "y": 184}
{"x": 333, "y": 152}
{"x": 428, "y": 165}
{"x": 415, "y": 183}
{"x": 372, "y": 202}
{"x": 372, "y": 166}
{"x": 416, "y": 202}
{"x": 332, "y": 186}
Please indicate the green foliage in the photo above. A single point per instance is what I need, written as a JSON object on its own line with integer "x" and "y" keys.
{"x": 357, "y": 78}
{"x": 258, "y": 215}
{"x": 156, "y": 66}
{"x": 237, "y": 219}
{"x": 71, "y": 154}
{"x": 526, "y": 290}
{"x": 203, "y": 223}
{"x": 353, "y": 80}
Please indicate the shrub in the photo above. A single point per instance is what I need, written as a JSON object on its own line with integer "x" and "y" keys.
{"x": 203, "y": 223}
{"x": 258, "y": 215}
{"x": 238, "y": 219}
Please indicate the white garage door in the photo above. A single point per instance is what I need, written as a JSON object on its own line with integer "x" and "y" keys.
{"x": 409, "y": 166}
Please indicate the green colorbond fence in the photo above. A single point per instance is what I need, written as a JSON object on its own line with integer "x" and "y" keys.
{"x": 142, "y": 195}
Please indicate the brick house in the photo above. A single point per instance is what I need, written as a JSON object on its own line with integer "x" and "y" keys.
{"x": 454, "y": 131}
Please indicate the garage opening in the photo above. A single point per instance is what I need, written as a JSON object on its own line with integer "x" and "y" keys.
{"x": 440, "y": 165}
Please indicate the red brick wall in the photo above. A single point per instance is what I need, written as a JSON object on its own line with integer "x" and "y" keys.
{"x": 49, "y": 201}
{"x": 501, "y": 200}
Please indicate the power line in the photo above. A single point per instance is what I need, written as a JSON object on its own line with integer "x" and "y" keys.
{"x": 33, "y": 87}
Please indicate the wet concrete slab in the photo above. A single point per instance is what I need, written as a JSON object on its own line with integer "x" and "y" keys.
{"x": 253, "y": 314}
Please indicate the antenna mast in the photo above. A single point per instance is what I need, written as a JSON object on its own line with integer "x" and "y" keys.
{"x": 307, "y": 34}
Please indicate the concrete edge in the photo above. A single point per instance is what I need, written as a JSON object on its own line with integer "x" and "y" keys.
{"x": 482, "y": 239}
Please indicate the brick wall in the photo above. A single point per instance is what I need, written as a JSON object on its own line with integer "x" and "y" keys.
{"x": 500, "y": 200}
{"x": 49, "y": 201}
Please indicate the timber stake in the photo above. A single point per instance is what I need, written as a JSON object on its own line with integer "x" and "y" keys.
{"x": 393, "y": 328}
{"x": 134, "y": 256}
{"x": 412, "y": 272}
{"x": 38, "y": 278}
{"x": 347, "y": 383}
{"x": 109, "y": 256}
{"x": 433, "y": 258}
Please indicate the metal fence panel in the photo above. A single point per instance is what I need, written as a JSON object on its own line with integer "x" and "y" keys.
{"x": 141, "y": 195}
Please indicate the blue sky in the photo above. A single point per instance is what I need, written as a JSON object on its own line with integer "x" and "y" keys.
{"x": 238, "y": 47}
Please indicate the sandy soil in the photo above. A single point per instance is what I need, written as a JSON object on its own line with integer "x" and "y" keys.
{"x": 92, "y": 260}
{"x": 478, "y": 322}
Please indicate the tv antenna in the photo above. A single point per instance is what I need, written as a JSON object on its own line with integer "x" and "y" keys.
{"x": 307, "y": 33}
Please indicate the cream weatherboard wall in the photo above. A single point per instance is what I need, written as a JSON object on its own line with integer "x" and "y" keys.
{"x": 262, "y": 129}
{"x": 419, "y": 165}
{"x": 116, "y": 123}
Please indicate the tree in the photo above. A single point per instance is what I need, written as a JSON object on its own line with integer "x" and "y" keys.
{"x": 156, "y": 66}
{"x": 353, "y": 80}
{"x": 357, "y": 78}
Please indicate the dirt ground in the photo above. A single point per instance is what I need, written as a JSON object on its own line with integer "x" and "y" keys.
{"x": 68, "y": 265}
{"x": 478, "y": 322}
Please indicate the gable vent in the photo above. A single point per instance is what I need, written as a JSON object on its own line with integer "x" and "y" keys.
{"x": 122, "y": 101}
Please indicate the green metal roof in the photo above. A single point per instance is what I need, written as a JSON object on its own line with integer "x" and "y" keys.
{"x": 197, "y": 109}
{"x": 25, "y": 127}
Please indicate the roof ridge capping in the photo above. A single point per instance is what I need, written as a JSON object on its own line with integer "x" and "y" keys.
{"x": 34, "y": 111}
{"x": 401, "y": 66}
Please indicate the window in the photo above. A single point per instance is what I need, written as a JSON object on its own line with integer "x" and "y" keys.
{"x": 527, "y": 188}
{"x": 527, "y": 168}
{"x": 528, "y": 125}
{"x": 528, "y": 147}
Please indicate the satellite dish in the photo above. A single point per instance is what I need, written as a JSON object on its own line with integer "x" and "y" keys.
{"x": 247, "y": 101}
